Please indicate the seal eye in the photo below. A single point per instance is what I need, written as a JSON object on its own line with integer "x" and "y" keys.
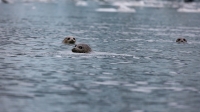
{"x": 178, "y": 39}
{"x": 80, "y": 47}
{"x": 74, "y": 38}
{"x": 184, "y": 39}
{"x": 68, "y": 38}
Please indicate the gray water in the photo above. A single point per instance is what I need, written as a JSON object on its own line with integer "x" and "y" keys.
{"x": 135, "y": 66}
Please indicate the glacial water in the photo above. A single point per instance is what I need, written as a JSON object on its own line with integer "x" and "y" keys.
{"x": 135, "y": 65}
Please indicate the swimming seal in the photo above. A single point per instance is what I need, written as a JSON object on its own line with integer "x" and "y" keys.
{"x": 81, "y": 48}
{"x": 69, "y": 40}
{"x": 181, "y": 40}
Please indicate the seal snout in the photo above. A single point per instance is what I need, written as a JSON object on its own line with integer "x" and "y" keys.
{"x": 72, "y": 42}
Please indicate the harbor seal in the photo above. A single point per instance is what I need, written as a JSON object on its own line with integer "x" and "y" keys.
{"x": 181, "y": 40}
{"x": 69, "y": 40}
{"x": 81, "y": 48}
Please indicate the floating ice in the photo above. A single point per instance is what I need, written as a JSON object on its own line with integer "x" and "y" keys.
{"x": 81, "y": 3}
{"x": 189, "y": 10}
{"x": 114, "y": 10}
{"x": 121, "y": 8}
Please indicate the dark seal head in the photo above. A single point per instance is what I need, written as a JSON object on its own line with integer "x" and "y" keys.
{"x": 81, "y": 48}
{"x": 69, "y": 40}
{"x": 181, "y": 40}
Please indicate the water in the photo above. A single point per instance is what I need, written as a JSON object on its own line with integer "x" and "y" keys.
{"x": 135, "y": 66}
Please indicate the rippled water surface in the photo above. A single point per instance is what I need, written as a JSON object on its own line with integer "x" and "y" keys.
{"x": 135, "y": 66}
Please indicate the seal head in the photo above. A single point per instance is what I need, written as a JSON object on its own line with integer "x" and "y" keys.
{"x": 81, "y": 48}
{"x": 181, "y": 40}
{"x": 69, "y": 40}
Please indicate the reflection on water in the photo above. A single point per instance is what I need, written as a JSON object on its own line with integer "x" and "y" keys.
{"x": 135, "y": 66}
